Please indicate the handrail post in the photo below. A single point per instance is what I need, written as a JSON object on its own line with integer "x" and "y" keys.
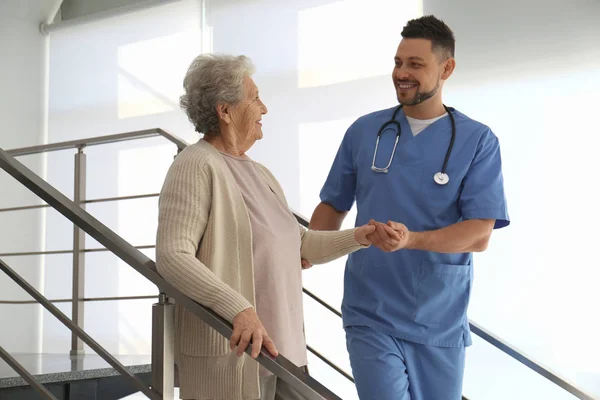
{"x": 78, "y": 293}
{"x": 163, "y": 347}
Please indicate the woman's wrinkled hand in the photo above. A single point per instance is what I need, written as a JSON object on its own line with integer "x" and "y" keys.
{"x": 362, "y": 234}
{"x": 248, "y": 328}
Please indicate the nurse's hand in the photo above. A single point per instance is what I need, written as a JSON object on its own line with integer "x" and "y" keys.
{"x": 389, "y": 237}
{"x": 403, "y": 232}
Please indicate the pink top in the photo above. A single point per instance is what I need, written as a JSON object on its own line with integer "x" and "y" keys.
{"x": 276, "y": 256}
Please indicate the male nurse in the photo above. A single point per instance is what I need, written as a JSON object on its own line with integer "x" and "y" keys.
{"x": 436, "y": 176}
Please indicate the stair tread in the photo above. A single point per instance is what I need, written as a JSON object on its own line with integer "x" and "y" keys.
{"x": 51, "y": 368}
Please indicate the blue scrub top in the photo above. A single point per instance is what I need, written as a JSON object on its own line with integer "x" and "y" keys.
{"x": 415, "y": 295}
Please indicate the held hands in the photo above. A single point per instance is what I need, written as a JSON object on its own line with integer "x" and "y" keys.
{"x": 389, "y": 237}
{"x": 247, "y": 327}
{"x": 361, "y": 235}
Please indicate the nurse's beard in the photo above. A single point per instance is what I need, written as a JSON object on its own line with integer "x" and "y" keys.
{"x": 421, "y": 96}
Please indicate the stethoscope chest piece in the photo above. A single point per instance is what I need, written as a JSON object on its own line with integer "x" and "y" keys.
{"x": 441, "y": 178}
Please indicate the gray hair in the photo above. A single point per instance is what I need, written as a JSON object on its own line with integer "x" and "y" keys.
{"x": 212, "y": 79}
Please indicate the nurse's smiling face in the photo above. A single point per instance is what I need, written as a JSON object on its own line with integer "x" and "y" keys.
{"x": 419, "y": 71}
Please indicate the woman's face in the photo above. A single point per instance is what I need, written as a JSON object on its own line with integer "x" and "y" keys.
{"x": 246, "y": 117}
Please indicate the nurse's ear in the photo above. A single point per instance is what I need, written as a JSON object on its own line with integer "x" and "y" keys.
{"x": 448, "y": 68}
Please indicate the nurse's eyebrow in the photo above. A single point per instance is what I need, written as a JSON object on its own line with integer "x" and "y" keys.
{"x": 412, "y": 58}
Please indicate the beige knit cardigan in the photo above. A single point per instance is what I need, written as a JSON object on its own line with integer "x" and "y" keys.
{"x": 204, "y": 248}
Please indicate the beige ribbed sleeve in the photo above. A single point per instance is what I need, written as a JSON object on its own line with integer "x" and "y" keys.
{"x": 319, "y": 247}
{"x": 184, "y": 206}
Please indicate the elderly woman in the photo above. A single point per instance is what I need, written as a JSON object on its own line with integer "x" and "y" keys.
{"x": 227, "y": 239}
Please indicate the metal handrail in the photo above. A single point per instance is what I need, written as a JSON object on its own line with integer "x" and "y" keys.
{"x": 336, "y": 312}
{"x": 89, "y": 201}
{"x": 56, "y": 252}
{"x": 280, "y": 366}
{"x": 99, "y": 140}
{"x": 321, "y": 302}
{"x": 78, "y": 331}
{"x": 120, "y": 198}
{"x": 488, "y": 337}
{"x": 35, "y": 384}
{"x": 331, "y": 364}
{"x": 86, "y": 299}
{"x": 523, "y": 359}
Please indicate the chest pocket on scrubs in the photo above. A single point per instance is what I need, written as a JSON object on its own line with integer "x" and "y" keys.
{"x": 442, "y": 294}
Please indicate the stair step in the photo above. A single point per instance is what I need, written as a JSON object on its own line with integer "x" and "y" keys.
{"x": 54, "y": 368}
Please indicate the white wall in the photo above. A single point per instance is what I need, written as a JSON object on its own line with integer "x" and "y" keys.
{"x": 528, "y": 69}
{"x": 112, "y": 76}
{"x": 23, "y": 51}
{"x": 540, "y": 84}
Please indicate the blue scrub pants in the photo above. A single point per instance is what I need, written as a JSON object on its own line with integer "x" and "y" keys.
{"x": 387, "y": 368}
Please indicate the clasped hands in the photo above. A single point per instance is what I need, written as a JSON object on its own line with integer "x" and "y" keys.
{"x": 388, "y": 237}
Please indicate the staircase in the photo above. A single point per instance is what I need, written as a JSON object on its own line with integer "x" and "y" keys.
{"x": 103, "y": 376}
{"x": 86, "y": 377}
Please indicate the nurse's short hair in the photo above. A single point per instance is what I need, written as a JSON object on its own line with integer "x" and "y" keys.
{"x": 433, "y": 29}
{"x": 213, "y": 79}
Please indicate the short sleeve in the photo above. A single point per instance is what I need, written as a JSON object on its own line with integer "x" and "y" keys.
{"x": 339, "y": 189}
{"x": 482, "y": 195}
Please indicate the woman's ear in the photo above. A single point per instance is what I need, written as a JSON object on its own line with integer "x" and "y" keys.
{"x": 449, "y": 66}
{"x": 223, "y": 112}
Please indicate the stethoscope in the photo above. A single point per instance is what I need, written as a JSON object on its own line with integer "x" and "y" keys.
{"x": 441, "y": 178}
